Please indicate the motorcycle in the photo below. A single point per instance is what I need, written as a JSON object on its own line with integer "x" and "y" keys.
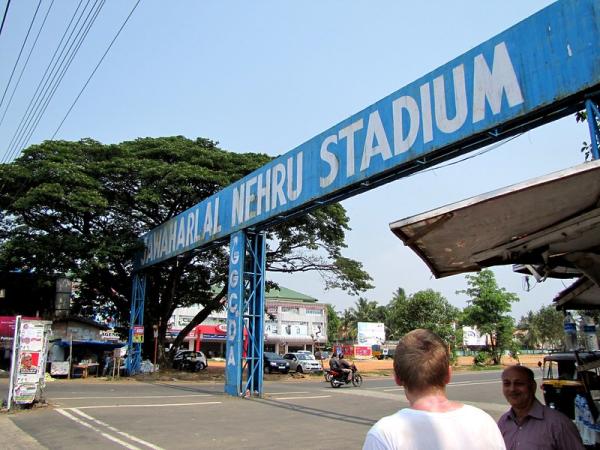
{"x": 339, "y": 378}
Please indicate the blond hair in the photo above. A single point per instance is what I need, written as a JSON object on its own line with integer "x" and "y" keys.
{"x": 421, "y": 361}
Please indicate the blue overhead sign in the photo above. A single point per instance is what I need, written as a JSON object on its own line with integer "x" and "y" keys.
{"x": 542, "y": 66}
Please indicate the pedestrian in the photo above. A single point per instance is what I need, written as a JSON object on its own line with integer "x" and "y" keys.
{"x": 107, "y": 361}
{"x": 422, "y": 367}
{"x": 528, "y": 423}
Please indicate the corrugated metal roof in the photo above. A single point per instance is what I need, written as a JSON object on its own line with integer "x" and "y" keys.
{"x": 284, "y": 293}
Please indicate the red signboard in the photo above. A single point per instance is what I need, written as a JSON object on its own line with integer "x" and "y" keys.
{"x": 7, "y": 325}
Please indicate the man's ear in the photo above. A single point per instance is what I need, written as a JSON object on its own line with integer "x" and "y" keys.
{"x": 397, "y": 379}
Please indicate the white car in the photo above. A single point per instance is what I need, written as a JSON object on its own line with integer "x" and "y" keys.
{"x": 301, "y": 362}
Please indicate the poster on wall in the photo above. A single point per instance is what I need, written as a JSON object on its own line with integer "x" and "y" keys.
{"x": 371, "y": 333}
{"x": 27, "y": 375}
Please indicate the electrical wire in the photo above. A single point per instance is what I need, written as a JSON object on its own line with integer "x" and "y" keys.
{"x": 63, "y": 71}
{"x": 20, "y": 52}
{"x": 96, "y": 68}
{"x": 26, "y": 63}
{"x": 479, "y": 153}
{"x": 4, "y": 17}
{"x": 47, "y": 83}
{"x": 8, "y": 155}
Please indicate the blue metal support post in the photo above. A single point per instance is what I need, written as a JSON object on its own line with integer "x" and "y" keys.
{"x": 254, "y": 308}
{"x": 134, "y": 349}
{"x": 593, "y": 116}
{"x": 245, "y": 311}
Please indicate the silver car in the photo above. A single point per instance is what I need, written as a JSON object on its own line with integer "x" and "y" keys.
{"x": 303, "y": 363}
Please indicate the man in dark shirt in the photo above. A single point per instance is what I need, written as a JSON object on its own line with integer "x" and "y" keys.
{"x": 334, "y": 364}
{"x": 528, "y": 423}
{"x": 346, "y": 367}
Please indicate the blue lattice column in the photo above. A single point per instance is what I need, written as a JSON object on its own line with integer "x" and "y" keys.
{"x": 593, "y": 116}
{"x": 134, "y": 349}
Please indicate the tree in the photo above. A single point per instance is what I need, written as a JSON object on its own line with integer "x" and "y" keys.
{"x": 429, "y": 309}
{"x": 333, "y": 324}
{"x": 80, "y": 207}
{"x": 548, "y": 322}
{"x": 528, "y": 332}
{"x": 488, "y": 308}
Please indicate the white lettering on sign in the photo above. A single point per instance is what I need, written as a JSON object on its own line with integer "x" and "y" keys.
{"x": 266, "y": 191}
{"x": 234, "y": 278}
{"x": 231, "y": 357}
{"x": 489, "y": 87}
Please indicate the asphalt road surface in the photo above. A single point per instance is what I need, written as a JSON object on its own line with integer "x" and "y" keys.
{"x": 179, "y": 415}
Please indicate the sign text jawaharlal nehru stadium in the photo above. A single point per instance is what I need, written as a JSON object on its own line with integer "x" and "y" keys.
{"x": 548, "y": 58}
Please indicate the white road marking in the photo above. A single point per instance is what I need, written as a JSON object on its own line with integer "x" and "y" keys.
{"x": 100, "y": 432}
{"x": 141, "y": 396}
{"x": 111, "y": 428}
{"x": 287, "y": 393}
{"x": 468, "y": 383}
{"x": 146, "y": 405}
{"x": 302, "y": 398}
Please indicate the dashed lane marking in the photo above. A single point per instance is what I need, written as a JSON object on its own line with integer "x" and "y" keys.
{"x": 158, "y": 405}
{"x": 131, "y": 396}
{"x": 303, "y": 398}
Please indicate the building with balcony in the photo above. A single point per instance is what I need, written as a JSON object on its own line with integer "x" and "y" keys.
{"x": 293, "y": 321}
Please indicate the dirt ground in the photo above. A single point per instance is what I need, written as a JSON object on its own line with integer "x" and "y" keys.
{"x": 370, "y": 367}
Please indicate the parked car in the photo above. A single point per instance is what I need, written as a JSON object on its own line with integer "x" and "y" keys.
{"x": 275, "y": 363}
{"x": 190, "y": 360}
{"x": 301, "y": 362}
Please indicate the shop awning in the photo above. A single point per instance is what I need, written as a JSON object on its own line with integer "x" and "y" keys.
{"x": 550, "y": 223}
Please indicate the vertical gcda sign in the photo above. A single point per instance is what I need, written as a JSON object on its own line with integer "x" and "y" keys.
{"x": 235, "y": 313}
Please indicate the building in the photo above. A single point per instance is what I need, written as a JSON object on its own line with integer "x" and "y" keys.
{"x": 293, "y": 321}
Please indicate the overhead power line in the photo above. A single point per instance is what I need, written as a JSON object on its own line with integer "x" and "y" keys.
{"x": 20, "y": 52}
{"x": 26, "y": 63}
{"x": 96, "y": 68}
{"x": 63, "y": 54}
{"x": 58, "y": 76}
{"x": 4, "y": 17}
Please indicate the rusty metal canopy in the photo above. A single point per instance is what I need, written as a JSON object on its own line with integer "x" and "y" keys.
{"x": 548, "y": 223}
{"x": 583, "y": 294}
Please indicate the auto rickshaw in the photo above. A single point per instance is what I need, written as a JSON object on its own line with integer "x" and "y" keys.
{"x": 566, "y": 374}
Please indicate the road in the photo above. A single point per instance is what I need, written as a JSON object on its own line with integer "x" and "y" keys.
{"x": 179, "y": 415}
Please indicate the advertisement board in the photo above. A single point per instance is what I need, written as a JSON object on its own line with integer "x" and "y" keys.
{"x": 138, "y": 334}
{"x": 370, "y": 333}
{"x": 29, "y": 350}
{"x": 472, "y": 337}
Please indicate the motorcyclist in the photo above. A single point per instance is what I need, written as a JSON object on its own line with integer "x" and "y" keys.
{"x": 346, "y": 367}
{"x": 334, "y": 363}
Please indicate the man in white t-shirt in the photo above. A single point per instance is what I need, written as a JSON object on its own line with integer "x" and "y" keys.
{"x": 422, "y": 366}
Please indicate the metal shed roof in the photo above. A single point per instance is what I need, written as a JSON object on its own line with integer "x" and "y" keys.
{"x": 550, "y": 222}
{"x": 548, "y": 227}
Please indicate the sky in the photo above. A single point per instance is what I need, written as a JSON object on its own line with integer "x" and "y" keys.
{"x": 266, "y": 76}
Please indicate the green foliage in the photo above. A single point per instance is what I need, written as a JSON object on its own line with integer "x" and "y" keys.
{"x": 542, "y": 329}
{"x": 488, "y": 310}
{"x": 482, "y": 358}
{"x": 423, "y": 309}
{"x": 333, "y": 324}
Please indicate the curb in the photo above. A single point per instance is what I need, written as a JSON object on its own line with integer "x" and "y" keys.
{"x": 13, "y": 438}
